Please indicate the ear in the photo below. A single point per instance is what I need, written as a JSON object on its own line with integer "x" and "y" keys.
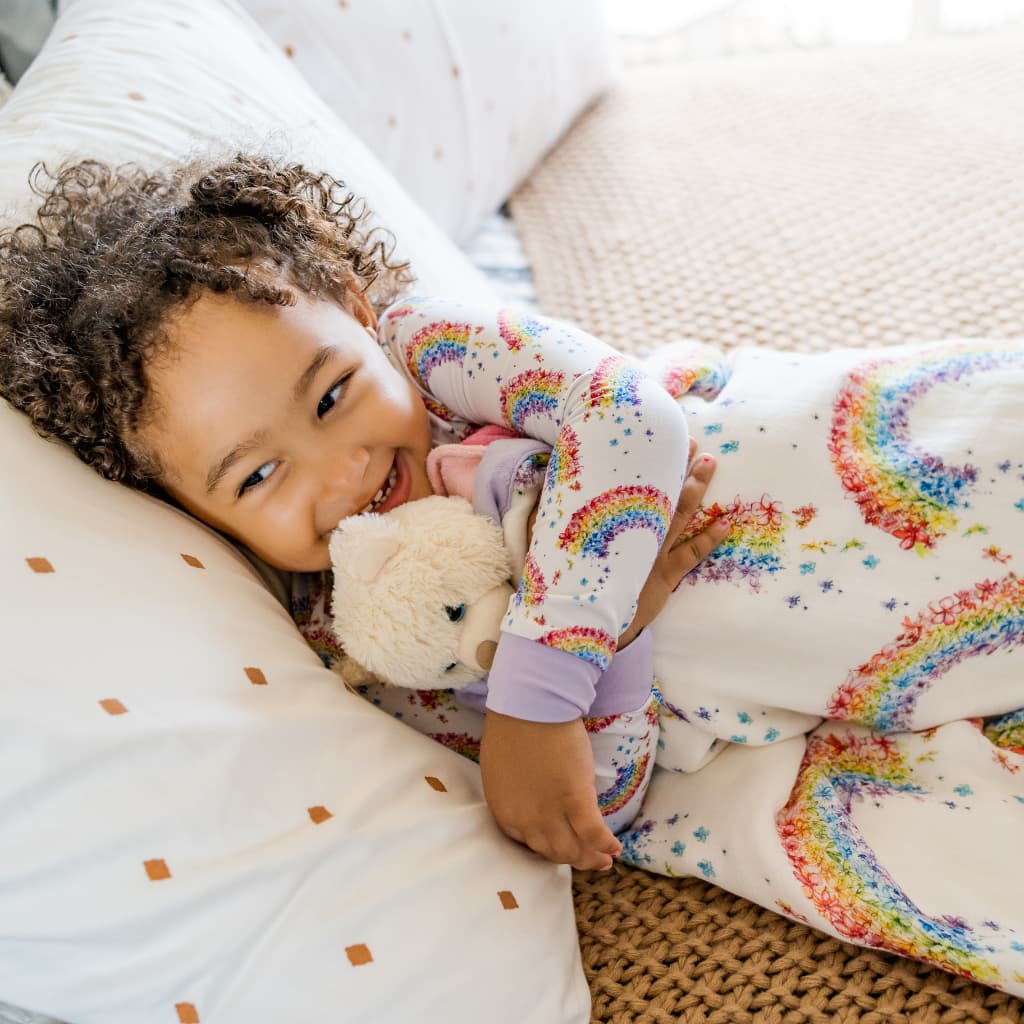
{"x": 359, "y": 306}
{"x": 371, "y": 554}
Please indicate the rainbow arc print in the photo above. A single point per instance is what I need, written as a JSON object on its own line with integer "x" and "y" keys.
{"x": 840, "y": 873}
{"x": 909, "y": 493}
{"x": 532, "y": 587}
{"x": 751, "y": 550}
{"x": 704, "y": 373}
{"x": 531, "y": 393}
{"x": 594, "y": 527}
{"x": 883, "y": 692}
{"x": 517, "y": 330}
{"x": 1006, "y": 731}
{"x": 564, "y": 464}
{"x": 628, "y": 779}
{"x": 586, "y": 642}
{"x": 434, "y": 345}
{"x": 614, "y": 383}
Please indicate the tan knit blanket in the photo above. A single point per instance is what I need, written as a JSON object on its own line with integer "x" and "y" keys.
{"x": 802, "y": 203}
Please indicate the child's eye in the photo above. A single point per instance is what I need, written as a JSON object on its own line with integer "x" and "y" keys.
{"x": 329, "y": 400}
{"x": 260, "y": 476}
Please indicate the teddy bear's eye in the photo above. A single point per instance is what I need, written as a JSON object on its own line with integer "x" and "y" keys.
{"x": 456, "y": 612}
{"x": 451, "y": 666}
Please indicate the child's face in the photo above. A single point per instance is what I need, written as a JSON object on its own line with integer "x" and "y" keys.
{"x": 273, "y": 423}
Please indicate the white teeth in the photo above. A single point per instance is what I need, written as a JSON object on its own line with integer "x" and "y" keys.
{"x": 381, "y": 496}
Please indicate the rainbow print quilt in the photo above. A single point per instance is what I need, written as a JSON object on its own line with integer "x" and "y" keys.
{"x": 842, "y": 679}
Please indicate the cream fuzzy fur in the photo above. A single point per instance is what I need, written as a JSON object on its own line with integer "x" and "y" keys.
{"x": 395, "y": 576}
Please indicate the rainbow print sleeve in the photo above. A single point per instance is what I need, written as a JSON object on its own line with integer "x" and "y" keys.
{"x": 618, "y": 460}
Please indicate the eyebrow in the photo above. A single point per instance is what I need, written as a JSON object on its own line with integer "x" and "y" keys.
{"x": 240, "y": 450}
{"x": 310, "y": 372}
{"x": 237, "y": 453}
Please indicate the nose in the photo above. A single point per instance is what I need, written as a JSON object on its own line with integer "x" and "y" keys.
{"x": 341, "y": 473}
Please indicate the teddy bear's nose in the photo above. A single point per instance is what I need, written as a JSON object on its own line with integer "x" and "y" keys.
{"x": 480, "y": 630}
{"x": 485, "y": 654}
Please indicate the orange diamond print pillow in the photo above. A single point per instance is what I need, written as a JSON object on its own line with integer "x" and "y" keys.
{"x": 201, "y": 825}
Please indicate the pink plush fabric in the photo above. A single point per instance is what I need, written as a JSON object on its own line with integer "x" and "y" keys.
{"x": 451, "y": 468}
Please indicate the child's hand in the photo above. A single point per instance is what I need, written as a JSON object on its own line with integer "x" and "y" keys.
{"x": 679, "y": 553}
{"x": 539, "y": 783}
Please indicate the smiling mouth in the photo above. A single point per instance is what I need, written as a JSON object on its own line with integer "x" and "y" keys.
{"x": 383, "y": 494}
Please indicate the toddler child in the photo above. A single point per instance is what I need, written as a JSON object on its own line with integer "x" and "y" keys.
{"x": 210, "y": 334}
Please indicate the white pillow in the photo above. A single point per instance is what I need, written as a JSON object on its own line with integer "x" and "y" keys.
{"x": 154, "y": 80}
{"x": 458, "y": 98}
{"x": 200, "y": 823}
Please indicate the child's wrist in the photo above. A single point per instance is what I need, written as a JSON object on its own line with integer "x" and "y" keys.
{"x": 628, "y": 637}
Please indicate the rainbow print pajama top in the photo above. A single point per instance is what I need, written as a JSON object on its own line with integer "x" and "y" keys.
{"x": 618, "y": 453}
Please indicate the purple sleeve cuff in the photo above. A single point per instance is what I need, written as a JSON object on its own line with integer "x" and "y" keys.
{"x": 626, "y": 684}
{"x": 538, "y": 683}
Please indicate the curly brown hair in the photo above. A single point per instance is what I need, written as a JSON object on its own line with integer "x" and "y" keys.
{"x": 86, "y": 290}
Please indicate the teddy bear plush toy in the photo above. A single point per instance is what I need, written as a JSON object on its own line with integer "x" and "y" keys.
{"x": 420, "y": 591}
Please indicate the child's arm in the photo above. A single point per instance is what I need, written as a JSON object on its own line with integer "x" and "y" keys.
{"x": 619, "y": 455}
{"x": 526, "y": 758}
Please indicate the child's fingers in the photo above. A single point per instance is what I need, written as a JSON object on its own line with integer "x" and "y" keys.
{"x": 691, "y": 496}
{"x": 696, "y": 483}
{"x": 514, "y": 833}
{"x": 598, "y": 863}
{"x": 702, "y": 468}
{"x": 596, "y": 835}
{"x": 598, "y": 845}
{"x": 558, "y": 842}
{"x": 578, "y": 837}
{"x": 691, "y": 551}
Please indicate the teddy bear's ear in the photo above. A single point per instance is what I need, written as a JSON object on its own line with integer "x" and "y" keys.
{"x": 367, "y": 558}
{"x": 363, "y": 545}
